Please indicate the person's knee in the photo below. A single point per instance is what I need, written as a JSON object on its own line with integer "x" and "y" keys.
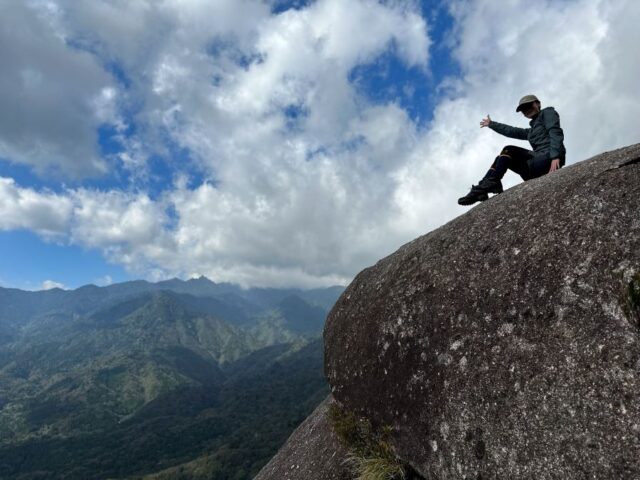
{"x": 507, "y": 151}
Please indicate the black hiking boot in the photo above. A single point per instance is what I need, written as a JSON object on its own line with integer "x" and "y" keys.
{"x": 477, "y": 194}
{"x": 491, "y": 185}
{"x": 480, "y": 192}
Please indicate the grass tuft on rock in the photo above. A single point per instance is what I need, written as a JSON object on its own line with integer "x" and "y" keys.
{"x": 376, "y": 468}
{"x": 371, "y": 455}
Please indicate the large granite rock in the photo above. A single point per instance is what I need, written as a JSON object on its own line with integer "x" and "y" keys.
{"x": 312, "y": 452}
{"x": 506, "y": 344}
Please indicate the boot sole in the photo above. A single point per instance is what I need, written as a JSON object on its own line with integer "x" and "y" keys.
{"x": 464, "y": 201}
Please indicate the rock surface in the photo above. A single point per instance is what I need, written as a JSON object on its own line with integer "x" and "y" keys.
{"x": 504, "y": 344}
{"x": 312, "y": 452}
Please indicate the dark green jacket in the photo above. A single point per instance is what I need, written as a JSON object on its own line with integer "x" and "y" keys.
{"x": 545, "y": 134}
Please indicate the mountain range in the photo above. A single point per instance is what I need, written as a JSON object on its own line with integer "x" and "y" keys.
{"x": 135, "y": 378}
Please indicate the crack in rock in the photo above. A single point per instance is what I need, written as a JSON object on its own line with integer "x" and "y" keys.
{"x": 633, "y": 161}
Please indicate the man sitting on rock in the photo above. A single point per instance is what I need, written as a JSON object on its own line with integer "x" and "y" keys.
{"x": 545, "y": 136}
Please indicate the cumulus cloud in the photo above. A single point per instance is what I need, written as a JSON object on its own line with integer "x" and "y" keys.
{"x": 43, "y": 212}
{"x": 128, "y": 227}
{"x": 53, "y": 96}
{"x": 305, "y": 180}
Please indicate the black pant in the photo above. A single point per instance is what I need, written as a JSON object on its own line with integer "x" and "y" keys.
{"x": 524, "y": 162}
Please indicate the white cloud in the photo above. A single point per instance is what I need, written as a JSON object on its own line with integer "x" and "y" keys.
{"x": 43, "y": 212}
{"x": 50, "y": 284}
{"x": 306, "y": 56}
{"x": 312, "y": 199}
{"x": 129, "y": 228}
{"x": 113, "y": 218}
{"x": 52, "y": 96}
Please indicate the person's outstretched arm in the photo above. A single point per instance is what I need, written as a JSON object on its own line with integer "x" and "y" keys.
{"x": 506, "y": 130}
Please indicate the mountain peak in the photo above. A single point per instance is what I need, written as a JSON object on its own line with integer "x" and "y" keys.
{"x": 201, "y": 279}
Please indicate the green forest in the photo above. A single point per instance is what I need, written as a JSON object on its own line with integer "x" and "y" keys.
{"x": 147, "y": 383}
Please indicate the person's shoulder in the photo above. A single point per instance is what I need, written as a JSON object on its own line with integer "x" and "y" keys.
{"x": 549, "y": 113}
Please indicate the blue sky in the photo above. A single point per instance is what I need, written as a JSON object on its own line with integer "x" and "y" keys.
{"x": 30, "y": 261}
{"x": 272, "y": 143}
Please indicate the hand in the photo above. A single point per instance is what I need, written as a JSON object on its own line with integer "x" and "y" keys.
{"x": 555, "y": 165}
{"x": 485, "y": 121}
